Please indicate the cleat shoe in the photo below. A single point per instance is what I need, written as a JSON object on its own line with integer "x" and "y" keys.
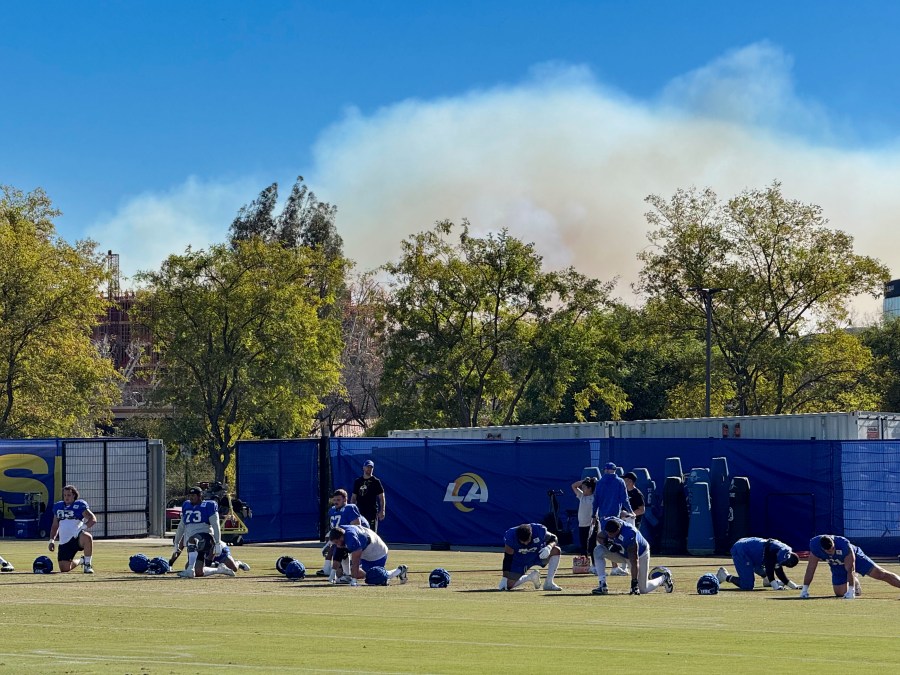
{"x": 402, "y": 576}
{"x": 857, "y": 588}
{"x": 244, "y": 567}
{"x": 344, "y": 580}
{"x": 617, "y": 572}
{"x": 319, "y": 573}
{"x": 722, "y": 575}
{"x": 227, "y": 571}
{"x": 602, "y": 589}
{"x": 550, "y": 586}
{"x": 88, "y": 569}
{"x": 503, "y": 585}
{"x": 535, "y": 578}
{"x": 668, "y": 581}
{"x": 6, "y": 566}
{"x": 186, "y": 574}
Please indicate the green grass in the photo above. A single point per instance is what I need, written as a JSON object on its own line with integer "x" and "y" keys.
{"x": 119, "y": 622}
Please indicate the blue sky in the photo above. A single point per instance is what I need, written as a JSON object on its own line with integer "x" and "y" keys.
{"x": 149, "y": 124}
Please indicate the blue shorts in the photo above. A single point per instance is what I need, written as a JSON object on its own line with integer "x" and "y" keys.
{"x": 522, "y": 563}
{"x": 864, "y": 565}
{"x": 366, "y": 565}
{"x": 223, "y": 556}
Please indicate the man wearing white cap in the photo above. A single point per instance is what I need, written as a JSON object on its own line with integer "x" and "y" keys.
{"x": 368, "y": 495}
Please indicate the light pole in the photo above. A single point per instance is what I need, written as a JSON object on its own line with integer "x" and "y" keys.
{"x": 707, "y": 295}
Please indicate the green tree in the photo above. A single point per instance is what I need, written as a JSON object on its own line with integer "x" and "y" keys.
{"x": 53, "y": 381}
{"x": 476, "y": 326}
{"x": 245, "y": 346}
{"x": 788, "y": 276}
{"x": 883, "y": 340}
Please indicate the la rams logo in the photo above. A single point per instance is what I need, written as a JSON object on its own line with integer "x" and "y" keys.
{"x": 459, "y": 496}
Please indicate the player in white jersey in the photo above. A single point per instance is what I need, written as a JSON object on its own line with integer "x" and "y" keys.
{"x": 199, "y": 531}
{"x": 72, "y": 518}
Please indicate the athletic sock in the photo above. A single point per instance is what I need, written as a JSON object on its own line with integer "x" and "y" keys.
{"x": 394, "y": 573}
{"x": 192, "y": 559}
{"x": 327, "y": 567}
{"x": 87, "y": 559}
{"x": 552, "y": 566}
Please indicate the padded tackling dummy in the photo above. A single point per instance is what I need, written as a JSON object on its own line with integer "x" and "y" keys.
{"x": 439, "y": 578}
{"x": 643, "y": 481}
{"x": 719, "y": 482}
{"x": 675, "y": 518}
{"x": 700, "y": 539}
{"x": 673, "y": 467}
{"x": 138, "y": 563}
{"x": 42, "y": 565}
{"x": 708, "y": 584}
{"x": 698, "y": 475}
{"x": 738, "y": 509}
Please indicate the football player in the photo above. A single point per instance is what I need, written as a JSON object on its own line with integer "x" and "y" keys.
{"x": 846, "y": 561}
{"x": 365, "y": 550}
{"x": 339, "y": 514}
{"x": 526, "y": 546}
{"x": 621, "y": 543}
{"x": 72, "y": 520}
{"x": 765, "y": 557}
{"x": 199, "y": 528}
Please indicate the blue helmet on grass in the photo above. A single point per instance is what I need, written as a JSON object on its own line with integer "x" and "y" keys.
{"x": 295, "y": 570}
{"x": 708, "y": 584}
{"x": 282, "y": 563}
{"x": 42, "y": 565}
{"x": 158, "y": 566}
{"x": 439, "y": 578}
{"x": 377, "y": 576}
{"x": 138, "y": 563}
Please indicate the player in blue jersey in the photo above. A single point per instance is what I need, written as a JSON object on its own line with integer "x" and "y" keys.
{"x": 767, "y": 558}
{"x": 365, "y": 550}
{"x": 341, "y": 513}
{"x": 199, "y": 531}
{"x": 526, "y": 546}
{"x": 846, "y": 561}
{"x": 72, "y": 520}
{"x": 621, "y": 543}
{"x": 611, "y": 501}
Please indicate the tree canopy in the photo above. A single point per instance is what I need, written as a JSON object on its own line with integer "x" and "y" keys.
{"x": 53, "y": 380}
{"x": 246, "y": 347}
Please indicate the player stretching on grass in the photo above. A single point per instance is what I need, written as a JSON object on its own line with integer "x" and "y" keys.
{"x": 199, "y": 527}
{"x": 366, "y": 550}
{"x": 621, "y": 543}
{"x": 846, "y": 561}
{"x": 526, "y": 546}
{"x": 765, "y": 557}
{"x": 72, "y": 518}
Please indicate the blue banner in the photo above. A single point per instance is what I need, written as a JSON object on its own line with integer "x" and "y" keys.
{"x": 465, "y": 493}
{"x": 29, "y": 471}
{"x": 279, "y": 481}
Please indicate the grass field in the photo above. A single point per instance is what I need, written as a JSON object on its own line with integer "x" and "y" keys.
{"x": 259, "y": 622}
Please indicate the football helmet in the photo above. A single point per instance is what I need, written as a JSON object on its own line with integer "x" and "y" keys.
{"x": 282, "y": 563}
{"x": 158, "y": 565}
{"x": 138, "y": 563}
{"x": 708, "y": 584}
{"x": 439, "y": 578}
{"x": 42, "y": 565}
{"x": 295, "y": 570}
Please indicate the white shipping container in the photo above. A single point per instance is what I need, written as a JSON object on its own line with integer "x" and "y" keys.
{"x": 531, "y": 432}
{"x": 836, "y": 426}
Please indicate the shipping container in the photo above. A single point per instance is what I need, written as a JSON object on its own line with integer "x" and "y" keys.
{"x": 834, "y": 426}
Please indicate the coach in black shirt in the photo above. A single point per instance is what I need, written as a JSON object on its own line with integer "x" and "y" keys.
{"x": 368, "y": 495}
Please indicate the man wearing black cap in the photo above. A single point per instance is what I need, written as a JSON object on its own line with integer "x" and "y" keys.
{"x": 368, "y": 495}
{"x": 199, "y": 531}
{"x": 635, "y": 498}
